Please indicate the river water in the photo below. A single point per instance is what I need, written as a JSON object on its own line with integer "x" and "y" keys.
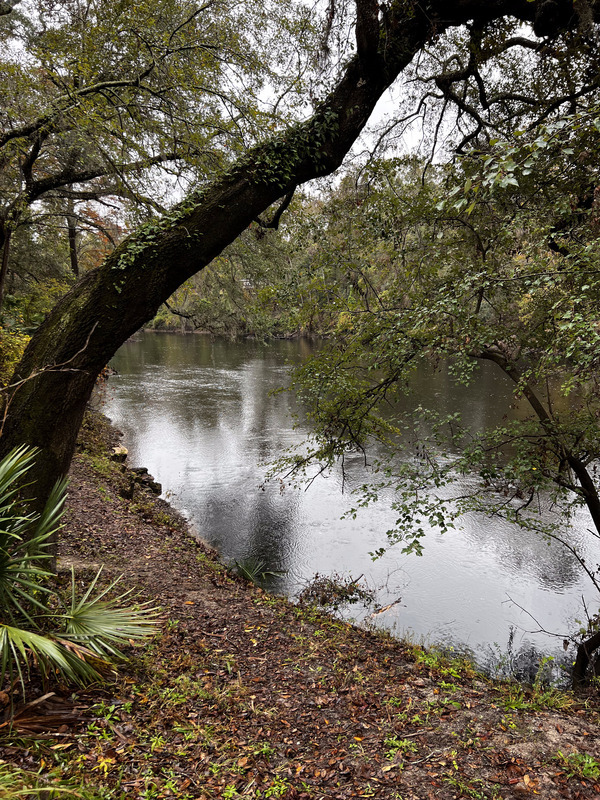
{"x": 199, "y": 414}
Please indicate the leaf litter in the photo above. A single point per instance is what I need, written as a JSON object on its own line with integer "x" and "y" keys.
{"x": 245, "y": 695}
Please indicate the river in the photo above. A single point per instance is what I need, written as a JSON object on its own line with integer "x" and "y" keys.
{"x": 200, "y": 415}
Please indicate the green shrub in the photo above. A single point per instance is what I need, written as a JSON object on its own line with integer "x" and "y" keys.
{"x": 12, "y": 346}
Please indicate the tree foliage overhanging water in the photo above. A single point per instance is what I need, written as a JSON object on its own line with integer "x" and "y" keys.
{"x": 199, "y": 413}
{"x": 493, "y": 259}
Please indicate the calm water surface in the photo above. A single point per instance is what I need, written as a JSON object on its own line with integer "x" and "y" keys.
{"x": 199, "y": 414}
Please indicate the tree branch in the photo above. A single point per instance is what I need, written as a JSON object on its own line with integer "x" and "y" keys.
{"x": 275, "y": 219}
{"x": 588, "y": 487}
{"x": 68, "y": 102}
{"x": 69, "y": 176}
{"x": 6, "y": 6}
{"x": 367, "y": 33}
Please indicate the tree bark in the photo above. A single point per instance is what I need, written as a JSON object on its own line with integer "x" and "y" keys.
{"x": 6, "y": 6}
{"x": 72, "y": 233}
{"x": 5, "y": 250}
{"x": 54, "y": 380}
{"x": 582, "y": 660}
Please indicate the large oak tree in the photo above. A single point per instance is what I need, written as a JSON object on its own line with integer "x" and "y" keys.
{"x": 53, "y": 382}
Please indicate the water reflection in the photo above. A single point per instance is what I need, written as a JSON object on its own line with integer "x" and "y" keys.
{"x": 199, "y": 414}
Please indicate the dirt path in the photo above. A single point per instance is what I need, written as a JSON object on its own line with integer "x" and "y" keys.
{"x": 248, "y": 696}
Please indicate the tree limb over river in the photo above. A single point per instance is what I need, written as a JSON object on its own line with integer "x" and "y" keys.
{"x": 110, "y": 303}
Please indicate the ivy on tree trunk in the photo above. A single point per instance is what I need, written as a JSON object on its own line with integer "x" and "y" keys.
{"x": 55, "y": 378}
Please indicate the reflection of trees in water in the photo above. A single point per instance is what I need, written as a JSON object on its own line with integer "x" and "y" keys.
{"x": 202, "y": 416}
{"x": 487, "y": 402}
{"x": 225, "y": 415}
{"x": 481, "y": 405}
{"x": 520, "y": 551}
{"x": 204, "y": 384}
{"x": 221, "y": 421}
{"x": 242, "y": 523}
{"x": 516, "y": 551}
{"x": 273, "y": 526}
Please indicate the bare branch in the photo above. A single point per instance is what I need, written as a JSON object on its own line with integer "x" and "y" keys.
{"x": 275, "y": 219}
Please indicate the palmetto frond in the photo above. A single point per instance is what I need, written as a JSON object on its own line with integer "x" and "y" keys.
{"x": 24, "y": 542}
{"x": 15, "y": 783}
{"x": 19, "y": 648}
{"x": 102, "y": 623}
{"x": 48, "y": 521}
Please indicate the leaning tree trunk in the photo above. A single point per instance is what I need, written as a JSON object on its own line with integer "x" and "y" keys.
{"x": 585, "y": 651}
{"x": 72, "y": 237}
{"x": 54, "y": 380}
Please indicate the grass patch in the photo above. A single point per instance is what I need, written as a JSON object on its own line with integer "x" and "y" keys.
{"x": 579, "y": 765}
